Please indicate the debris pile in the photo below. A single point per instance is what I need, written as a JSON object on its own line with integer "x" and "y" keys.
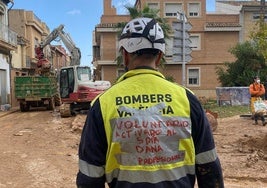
{"x": 78, "y": 123}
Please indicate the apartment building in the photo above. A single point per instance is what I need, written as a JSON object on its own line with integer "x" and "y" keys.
{"x": 31, "y": 31}
{"x": 212, "y": 36}
{"x": 8, "y": 44}
{"x": 60, "y": 57}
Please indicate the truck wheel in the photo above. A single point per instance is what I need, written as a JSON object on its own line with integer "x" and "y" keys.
{"x": 51, "y": 105}
{"x": 24, "y": 107}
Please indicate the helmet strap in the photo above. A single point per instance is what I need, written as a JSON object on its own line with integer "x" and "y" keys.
{"x": 146, "y": 34}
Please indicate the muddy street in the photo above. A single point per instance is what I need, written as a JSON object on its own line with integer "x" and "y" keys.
{"x": 39, "y": 150}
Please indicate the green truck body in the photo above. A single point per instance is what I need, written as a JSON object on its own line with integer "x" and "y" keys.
{"x": 36, "y": 91}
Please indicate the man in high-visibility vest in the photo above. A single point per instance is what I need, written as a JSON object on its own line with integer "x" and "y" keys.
{"x": 256, "y": 90}
{"x": 145, "y": 131}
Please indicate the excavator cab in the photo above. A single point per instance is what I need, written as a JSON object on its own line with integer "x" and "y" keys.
{"x": 66, "y": 82}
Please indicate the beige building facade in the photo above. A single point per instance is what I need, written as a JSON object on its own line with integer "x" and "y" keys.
{"x": 60, "y": 57}
{"x": 212, "y": 36}
{"x": 31, "y": 31}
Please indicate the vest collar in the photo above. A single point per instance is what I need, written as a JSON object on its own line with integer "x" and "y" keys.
{"x": 139, "y": 71}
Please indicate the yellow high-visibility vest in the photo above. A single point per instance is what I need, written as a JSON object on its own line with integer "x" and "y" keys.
{"x": 148, "y": 128}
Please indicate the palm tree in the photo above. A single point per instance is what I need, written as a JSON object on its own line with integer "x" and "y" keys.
{"x": 149, "y": 13}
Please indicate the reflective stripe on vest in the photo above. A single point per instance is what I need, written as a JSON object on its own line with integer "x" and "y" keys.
{"x": 138, "y": 176}
{"x": 206, "y": 157}
{"x": 91, "y": 170}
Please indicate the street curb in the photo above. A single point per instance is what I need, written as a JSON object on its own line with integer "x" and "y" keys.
{"x": 5, "y": 113}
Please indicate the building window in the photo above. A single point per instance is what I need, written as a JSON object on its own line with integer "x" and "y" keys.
{"x": 153, "y": 6}
{"x": 2, "y": 10}
{"x": 36, "y": 44}
{"x": 256, "y": 17}
{"x": 193, "y": 76}
{"x": 195, "y": 42}
{"x": 2, "y": 14}
{"x": 171, "y": 9}
{"x": 194, "y": 9}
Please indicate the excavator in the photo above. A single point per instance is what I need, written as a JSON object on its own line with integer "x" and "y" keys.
{"x": 77, "y": 87}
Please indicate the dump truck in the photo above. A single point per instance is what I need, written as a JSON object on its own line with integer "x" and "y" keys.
{"x": 37, "y": 91}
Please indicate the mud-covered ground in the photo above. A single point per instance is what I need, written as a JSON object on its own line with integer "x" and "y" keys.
{"x": 39, "y": 149}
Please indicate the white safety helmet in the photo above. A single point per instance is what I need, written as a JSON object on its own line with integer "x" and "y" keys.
{"x": 142, "y": 33}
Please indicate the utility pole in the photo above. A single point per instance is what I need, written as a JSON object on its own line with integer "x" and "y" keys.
{"x": 181, "y": 42}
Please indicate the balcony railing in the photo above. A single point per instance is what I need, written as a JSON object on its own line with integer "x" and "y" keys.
{"x": 8, "y": 35}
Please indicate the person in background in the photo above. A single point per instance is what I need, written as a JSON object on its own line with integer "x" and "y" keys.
{"x": 146, "y": 131}
{"x": 256, "y": 90}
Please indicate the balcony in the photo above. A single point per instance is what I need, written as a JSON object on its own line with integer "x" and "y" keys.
{"x": 8, "y": 39}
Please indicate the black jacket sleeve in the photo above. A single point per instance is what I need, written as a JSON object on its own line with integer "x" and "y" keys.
{"x": 93, "y": 147}
{"x": 209, "y": 175}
